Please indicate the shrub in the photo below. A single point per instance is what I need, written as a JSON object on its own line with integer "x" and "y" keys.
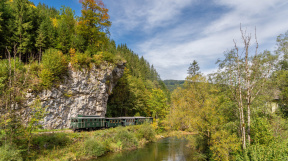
{"x": 273, "y": 151}
{"x": 81, "y": 60}
{"x": 9, "y": 152}
{"x": 35, "y": 67}
{"x": 261, "y": 131}
{"x": 55, "y": 65}
{"x": 107, "y": 56}
{"x": 97, "y": 59}
{"x": 50, "y": 141}
{"x": 94, "y": 147}
{"x": 46, "y": 78}
{"x": 127, "y": 139}
{"x": 55, "y": 61}
{"x": 146, "y": 131}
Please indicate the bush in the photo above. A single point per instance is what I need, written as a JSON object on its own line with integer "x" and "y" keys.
{"x": 50, "y": 141}
{"x": 55, "y": 61}
{"x": 127, "y": 139}
{"x": 98, "y": 59}
{"x": 107, "y": 56}
{"x": 47, "y": 78}
{"x": 261, "y": 131}
{"x": 9, "y": 152}
{"x": 35, "y": 67}
{"x": 273, "y": 151}
{"x": 146, "y": 131}
{"x": 94, "y": 147}
{"x": 81, "y": 60}
{"x": 55, "y": 65}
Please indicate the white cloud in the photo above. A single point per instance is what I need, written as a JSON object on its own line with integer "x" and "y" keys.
{"x": 145, "y": 15}
{"x": 173, "y": 47}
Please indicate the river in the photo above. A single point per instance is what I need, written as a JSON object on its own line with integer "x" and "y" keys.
{"x": 167, "y": 149}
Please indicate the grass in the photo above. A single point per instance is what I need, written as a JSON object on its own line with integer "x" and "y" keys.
{"x": 87, "y": 145}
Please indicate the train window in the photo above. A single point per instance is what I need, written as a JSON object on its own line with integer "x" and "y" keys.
{"x": 113, "y": 121}
{"x": 110, "y": 121}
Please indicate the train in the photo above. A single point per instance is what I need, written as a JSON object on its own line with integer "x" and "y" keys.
{"x": 94, "y": 122}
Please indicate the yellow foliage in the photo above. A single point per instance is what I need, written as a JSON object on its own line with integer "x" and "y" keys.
{"x": 31, "y": 5}
{"x": 54, "y": 22}
{"x": 223, "y": 144}
{"x": 72, "y": 51}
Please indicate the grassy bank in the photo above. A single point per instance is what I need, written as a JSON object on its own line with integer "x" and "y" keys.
{"x": 81, "y": 145}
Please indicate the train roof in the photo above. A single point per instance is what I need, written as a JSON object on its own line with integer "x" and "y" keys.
{"x": 113, "y": 118}
{"x": 87, "y": 117}
{"x": 127, "y": 117}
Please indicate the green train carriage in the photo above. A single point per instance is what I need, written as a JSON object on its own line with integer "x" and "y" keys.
{"x": 82, "y": 122}
{"x": 113, "y": 122}
{"x": 90, "y": 122}
{"x": 140, "y": 120}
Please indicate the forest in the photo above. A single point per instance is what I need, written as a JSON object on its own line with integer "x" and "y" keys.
{"x": 38, "y": 43}
{"x": 239, "y": 112}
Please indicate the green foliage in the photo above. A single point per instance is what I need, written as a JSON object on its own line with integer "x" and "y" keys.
{"x": 272, "y": 151}
{"x": 35, "y": 67}
{"x": 47, "y": 78}
{"x": 146, "y": 131}
{"x": 127, "y": 138}
{"x": 157, "y": 103}
{"x": 81, "y": 60}
{"x": 10, "y": 152}
{"x": 134, "y": 91}
{"x": 55, "y": 65}
{"x": 66, "y": 29}
{"x": 173, "y": 84}
{"x": 107, "y": 56}
{"x": 193, "y": 69}
{"x": 94, "y": 147}
{"x": 1, "y": 21}
{"x": 93, "y": 24}
{"x": 262, "y": 132}
{"x": 224, "y": 145}
{"x": 50, "y": 141}
{"x": 3, "y": 74}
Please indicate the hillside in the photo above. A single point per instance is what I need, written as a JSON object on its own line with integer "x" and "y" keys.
{"x": 173, "y": 84}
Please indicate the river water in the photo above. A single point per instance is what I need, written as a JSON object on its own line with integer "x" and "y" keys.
{"x": 167, "y": 149}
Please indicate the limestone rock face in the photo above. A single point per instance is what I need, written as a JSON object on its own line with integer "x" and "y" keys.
{"x": 83, "y": 91}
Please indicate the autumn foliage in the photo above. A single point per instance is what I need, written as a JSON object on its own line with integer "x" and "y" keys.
{"x": 94, "y": 23}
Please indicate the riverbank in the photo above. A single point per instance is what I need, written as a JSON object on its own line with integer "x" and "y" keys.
{"x": 87, "y": 145}
{"x": 66, "y": 145}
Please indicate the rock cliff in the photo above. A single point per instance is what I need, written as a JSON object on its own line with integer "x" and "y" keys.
{"x": 83, "y": 91}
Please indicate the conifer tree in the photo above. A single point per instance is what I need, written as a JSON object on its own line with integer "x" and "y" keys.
{"x": 22, "y": 11}
{"x": 66, "y": 29}
{"x": 193, "y": 69}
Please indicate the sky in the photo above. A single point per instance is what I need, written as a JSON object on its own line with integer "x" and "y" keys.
{"x": 170, "y": 34}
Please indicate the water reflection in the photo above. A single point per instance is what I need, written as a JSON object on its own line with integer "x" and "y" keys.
{"x": 167, "y": 149}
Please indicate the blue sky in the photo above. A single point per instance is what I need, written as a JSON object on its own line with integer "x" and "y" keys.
{"x": 170, "y": 34}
